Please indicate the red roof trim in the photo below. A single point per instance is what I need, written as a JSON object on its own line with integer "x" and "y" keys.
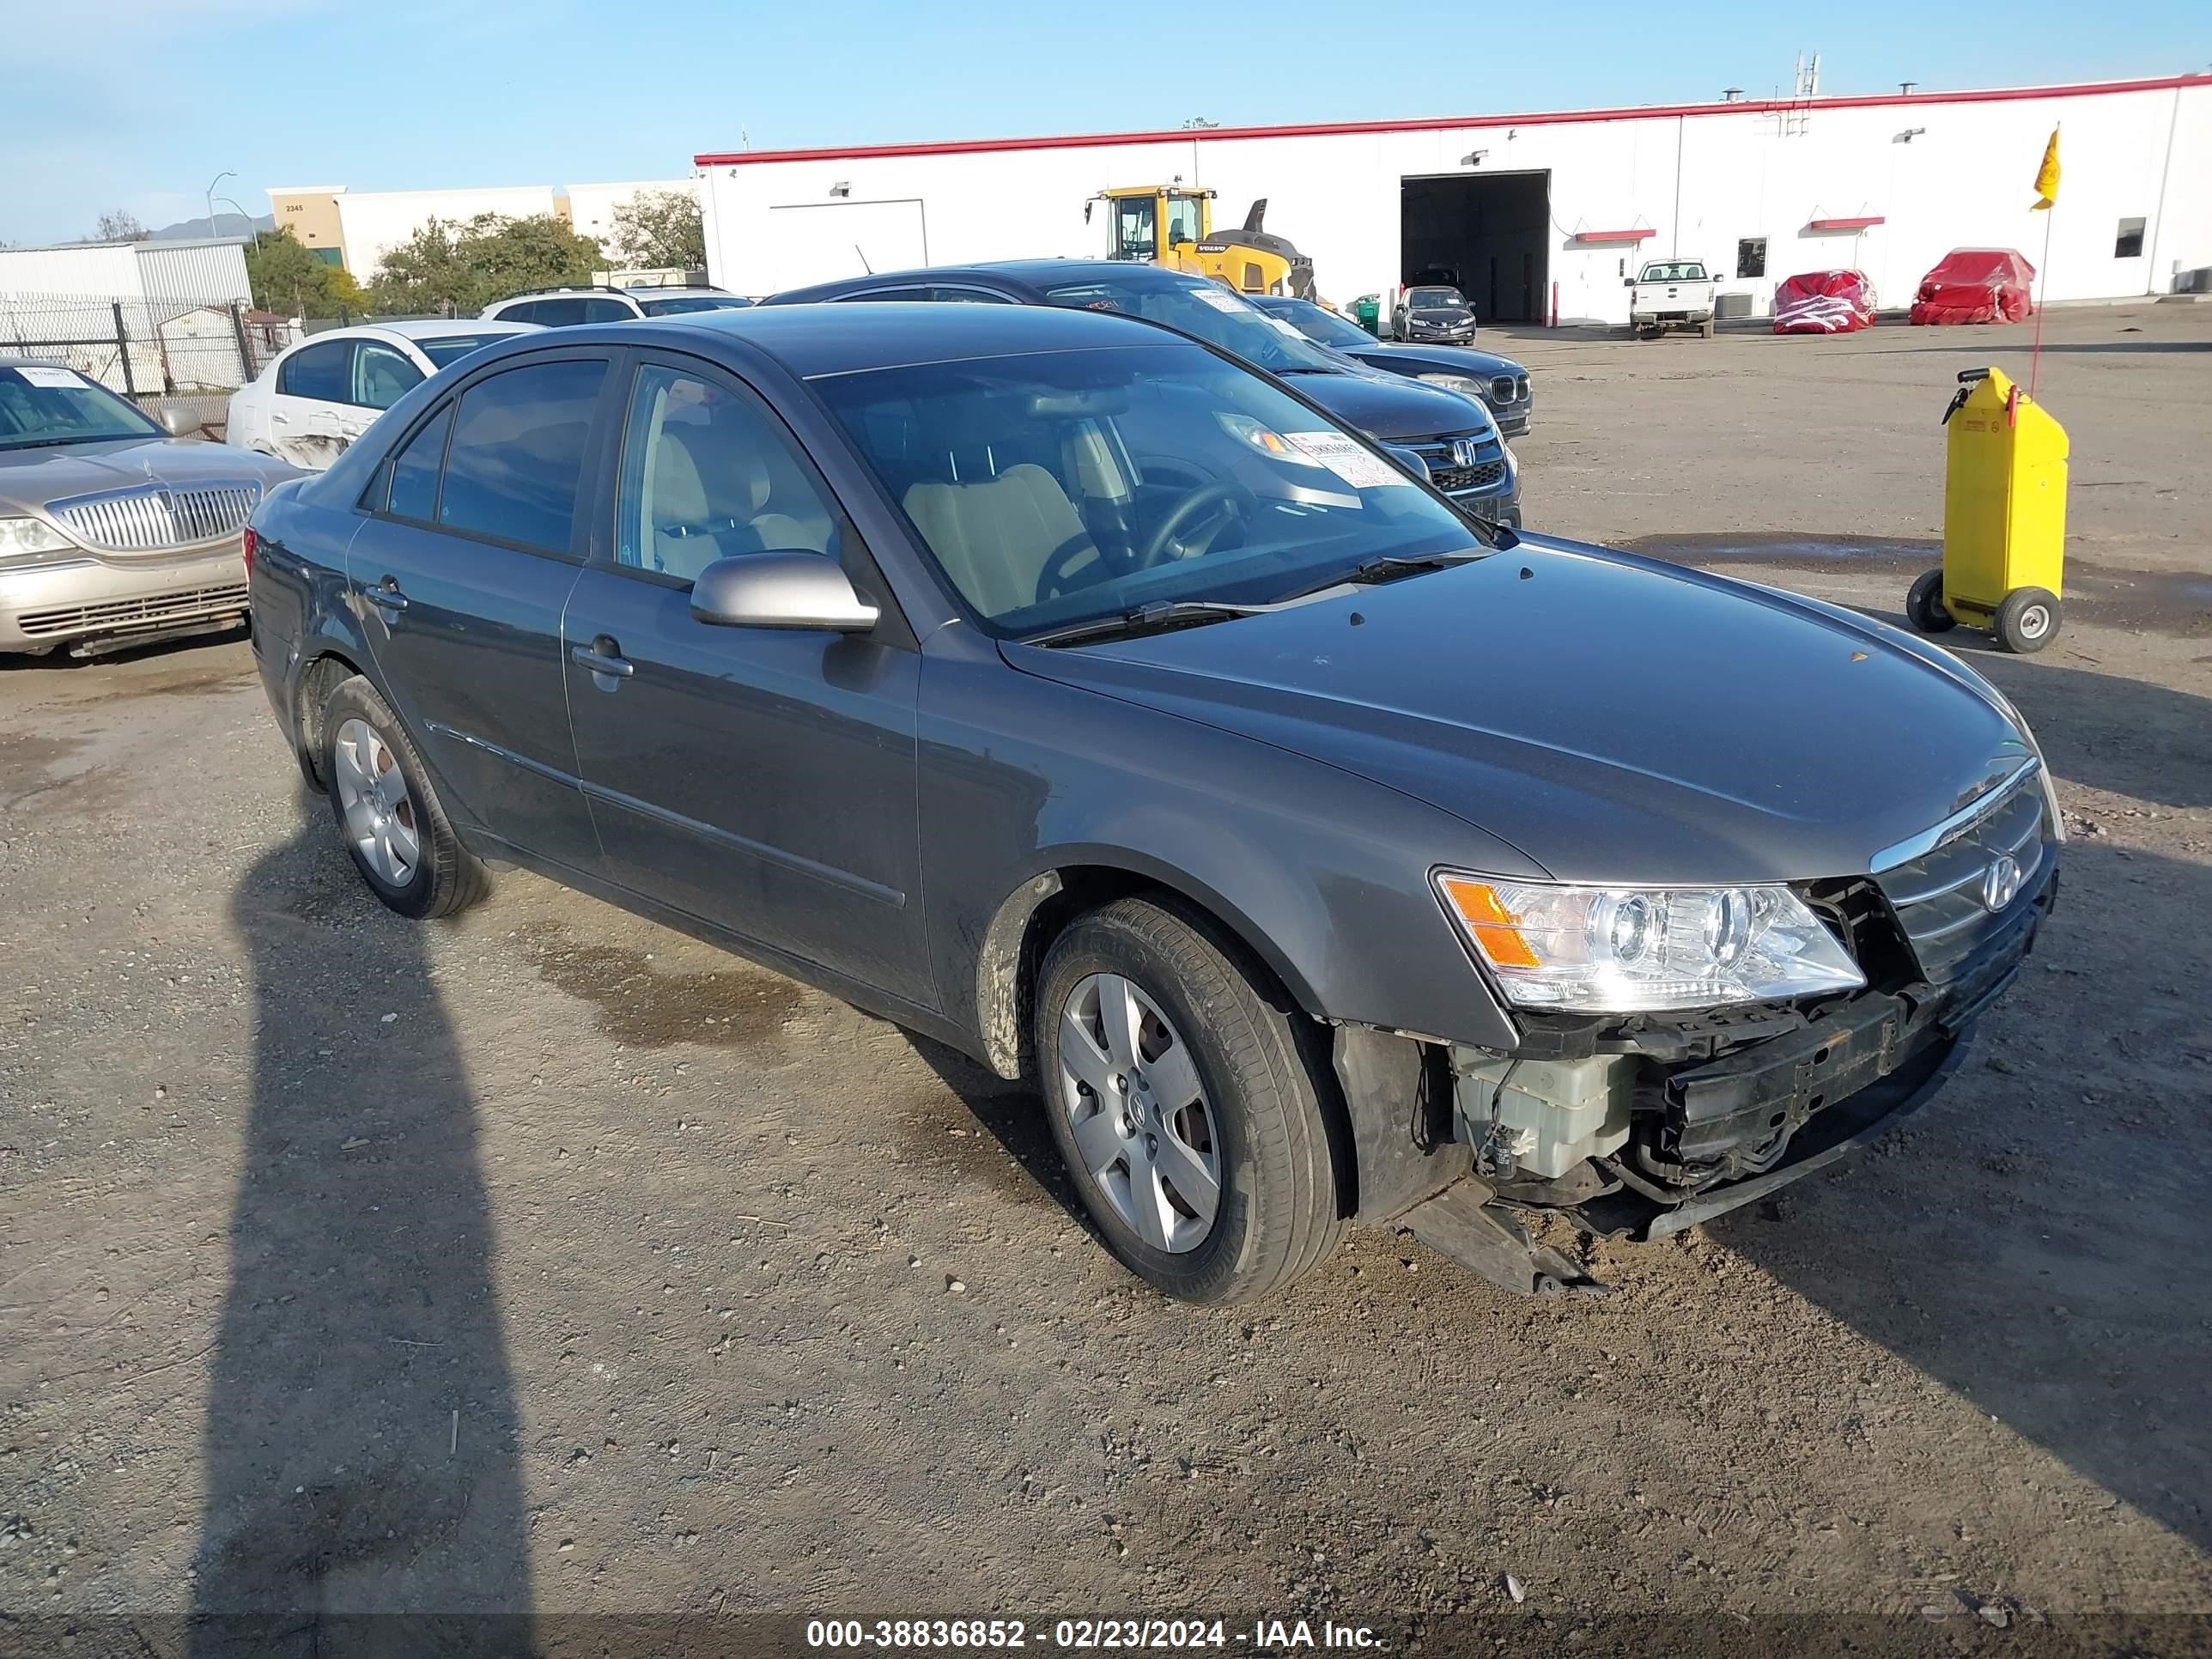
{"x": 1614, "y": 235}
{"x": 1547, "y": 118}
{"x": 1846, "y": 224}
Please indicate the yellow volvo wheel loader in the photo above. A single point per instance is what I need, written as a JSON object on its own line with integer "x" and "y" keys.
{"x": 1171, "y": 226}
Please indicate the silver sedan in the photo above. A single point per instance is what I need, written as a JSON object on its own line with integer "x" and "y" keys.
{"x": 114, "y": 530}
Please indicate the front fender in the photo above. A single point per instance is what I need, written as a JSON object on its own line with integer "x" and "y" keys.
{"x": 1323, "y": 875}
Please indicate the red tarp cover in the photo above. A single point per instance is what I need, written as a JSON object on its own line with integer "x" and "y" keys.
{"x": 1823, "y": 302}
{"x": 1976, "y": 285}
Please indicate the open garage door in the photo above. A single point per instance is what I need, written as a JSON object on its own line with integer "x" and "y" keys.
{"x": 1493, "y": 230}
{"x": 822, "y": 241}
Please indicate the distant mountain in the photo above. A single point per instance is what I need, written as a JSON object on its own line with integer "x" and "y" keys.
{"x": 225, "y": 224}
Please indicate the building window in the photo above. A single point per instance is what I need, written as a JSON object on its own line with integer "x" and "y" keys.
{"x": 2128, "y": 245}
{"x": 1751, "y": 257}
{"x": 329, "y": 255}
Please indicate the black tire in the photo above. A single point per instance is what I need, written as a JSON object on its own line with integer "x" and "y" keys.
{"x": 2028, "y": 620}
{"x": 1278, "y": 1213}
{"x": 445, "y": 877}
{"x": 1923, "y": 606}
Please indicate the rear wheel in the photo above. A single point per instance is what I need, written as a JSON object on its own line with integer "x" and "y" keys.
{"x": 1183, "y": 1106}
{"x": 1923, "y": 606}
{"x": 2027, "y": 620}
{"x": 389, "y": 817}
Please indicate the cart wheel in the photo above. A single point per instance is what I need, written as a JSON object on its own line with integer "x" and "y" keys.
{"x": 2027, "y": 620}
{"x": 1923, "y": 606}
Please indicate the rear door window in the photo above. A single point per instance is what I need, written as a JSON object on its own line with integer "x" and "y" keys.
{"x": 606, "y": 311}
{"x": 515, "y": 466}
{"x": 323, "y": 371}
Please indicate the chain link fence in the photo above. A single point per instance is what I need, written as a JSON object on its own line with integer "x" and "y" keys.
{"x": 189, "y": 352}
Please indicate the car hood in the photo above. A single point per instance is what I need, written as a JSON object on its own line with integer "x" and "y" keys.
{"x": 1438, "y": 359}
{"x": 1389, "y": 406}
{"x": 32, "y": 477}
{"x": 1613, "y": 718}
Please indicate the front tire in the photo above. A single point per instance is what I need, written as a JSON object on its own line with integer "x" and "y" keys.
{"x": 1188, "y": 1117}
{"x": 1923, "y": 606}
{"x": 389, "y": 817}
{"x": 2027, "y": 620}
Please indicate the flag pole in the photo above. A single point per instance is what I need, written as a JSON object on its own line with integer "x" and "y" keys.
{"x": 2035, "y": 358}
{"x": 2046, "y": 186}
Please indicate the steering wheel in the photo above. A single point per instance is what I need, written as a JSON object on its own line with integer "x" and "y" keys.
{"x": 1220, "y": 500}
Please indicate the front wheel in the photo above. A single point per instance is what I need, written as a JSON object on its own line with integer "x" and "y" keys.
{"x": 2027, "y": 620}
{"x": 1923, "y": 606}
{"x": 390, "y": 818}
{"x": 1187, "y": 1114}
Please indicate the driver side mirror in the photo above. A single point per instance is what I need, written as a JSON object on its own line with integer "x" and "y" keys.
{"x": 179, "y": 422}
{"x": 789, "y": 589}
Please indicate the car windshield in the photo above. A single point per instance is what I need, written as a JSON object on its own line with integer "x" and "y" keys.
{"x": 1433, "y": 299}
{"x": 693, "y": 303}
{"x": 444, "y": 348}
{"x": 1058, "y": 487}
{"x": 1212, "y": 313}
{"x": 1683, "y": 272}
{"x": 41, "y": 407}
{"x": 1324, "y": 326}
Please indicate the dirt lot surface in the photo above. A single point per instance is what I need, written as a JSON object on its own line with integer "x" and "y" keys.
{"x": 551, "y": 1263}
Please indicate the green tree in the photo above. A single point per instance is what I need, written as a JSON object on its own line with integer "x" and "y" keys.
{"x": 287, "y": 279}
{"x": 659, "y": 229}
{"x": 465, "y": 267}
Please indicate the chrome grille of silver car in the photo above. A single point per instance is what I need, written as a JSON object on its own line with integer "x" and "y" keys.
{"x": 1941, "y": 898}
{"x": 151, "y": 517}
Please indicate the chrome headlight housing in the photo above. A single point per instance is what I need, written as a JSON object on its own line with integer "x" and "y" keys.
{"x": 31, "y": 539}
{"x": 1465, "y": 385}
{"x": 1643, "y": 950}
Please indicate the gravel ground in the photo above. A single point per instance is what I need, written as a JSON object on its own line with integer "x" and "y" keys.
{"x": 549, "y": 1263}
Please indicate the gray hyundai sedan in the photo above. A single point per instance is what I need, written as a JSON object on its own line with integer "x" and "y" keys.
{"x": 1063, "y": 690}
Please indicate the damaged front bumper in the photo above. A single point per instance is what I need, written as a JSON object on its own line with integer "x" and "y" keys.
{"x": 1630, "y": 1140}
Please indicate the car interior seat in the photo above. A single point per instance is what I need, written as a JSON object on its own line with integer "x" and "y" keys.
{"x": 996, "y": 536}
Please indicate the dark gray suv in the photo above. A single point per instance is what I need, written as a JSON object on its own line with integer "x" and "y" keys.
{"x": 1057, "y": 687}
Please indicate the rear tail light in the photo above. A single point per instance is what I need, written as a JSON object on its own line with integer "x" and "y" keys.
{"x": 249, "y": 543}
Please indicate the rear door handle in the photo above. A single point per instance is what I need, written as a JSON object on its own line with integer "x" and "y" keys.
{"x": 602, "y": 656}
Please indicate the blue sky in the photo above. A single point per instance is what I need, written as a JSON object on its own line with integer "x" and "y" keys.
{"x": 138, "y": 103}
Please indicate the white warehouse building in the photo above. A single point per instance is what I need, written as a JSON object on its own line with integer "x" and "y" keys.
{"x": 1546, "y": 212}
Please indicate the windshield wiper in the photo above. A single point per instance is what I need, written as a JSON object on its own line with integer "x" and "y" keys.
{"x": 1145, "y": 619}
{"x": 1395, "y": 564}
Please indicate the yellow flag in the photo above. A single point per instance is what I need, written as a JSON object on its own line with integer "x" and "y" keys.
{"x": 2046, "y": 176}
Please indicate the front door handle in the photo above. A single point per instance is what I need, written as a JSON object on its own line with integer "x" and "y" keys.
{"x": 386, "y": 596}
{"x": 602, "y": 656}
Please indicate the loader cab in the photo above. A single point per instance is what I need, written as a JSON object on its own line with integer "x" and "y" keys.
{"x": 1138, "y": 213}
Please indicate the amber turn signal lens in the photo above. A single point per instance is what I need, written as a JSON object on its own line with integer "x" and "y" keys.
{"x": 1496, "y": 928}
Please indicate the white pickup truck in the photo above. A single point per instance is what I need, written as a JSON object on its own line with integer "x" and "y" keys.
{"x": 1671, "y": 293}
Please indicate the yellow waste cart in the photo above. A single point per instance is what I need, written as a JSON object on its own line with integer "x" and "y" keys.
{"x": 2004, "y": 518}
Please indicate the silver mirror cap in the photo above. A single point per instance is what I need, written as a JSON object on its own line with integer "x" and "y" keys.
{"x": 789, "y": 589}
{"x": 179, "y": 422}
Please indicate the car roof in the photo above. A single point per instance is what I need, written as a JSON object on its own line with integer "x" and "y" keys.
{"x": 811, "y": 341}
{"x": 1037, "y": 274}
{"x": 431, "y": 328}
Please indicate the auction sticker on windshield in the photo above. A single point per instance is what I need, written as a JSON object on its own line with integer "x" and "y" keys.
{"x": 1359, "y": 467}
{"x": 65, "y": 379}
{"x": 1219, "y": 298}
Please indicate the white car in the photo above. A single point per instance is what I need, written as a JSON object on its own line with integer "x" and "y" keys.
{"x": 320, "y": 395}
{"x": 566, "y": 308}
